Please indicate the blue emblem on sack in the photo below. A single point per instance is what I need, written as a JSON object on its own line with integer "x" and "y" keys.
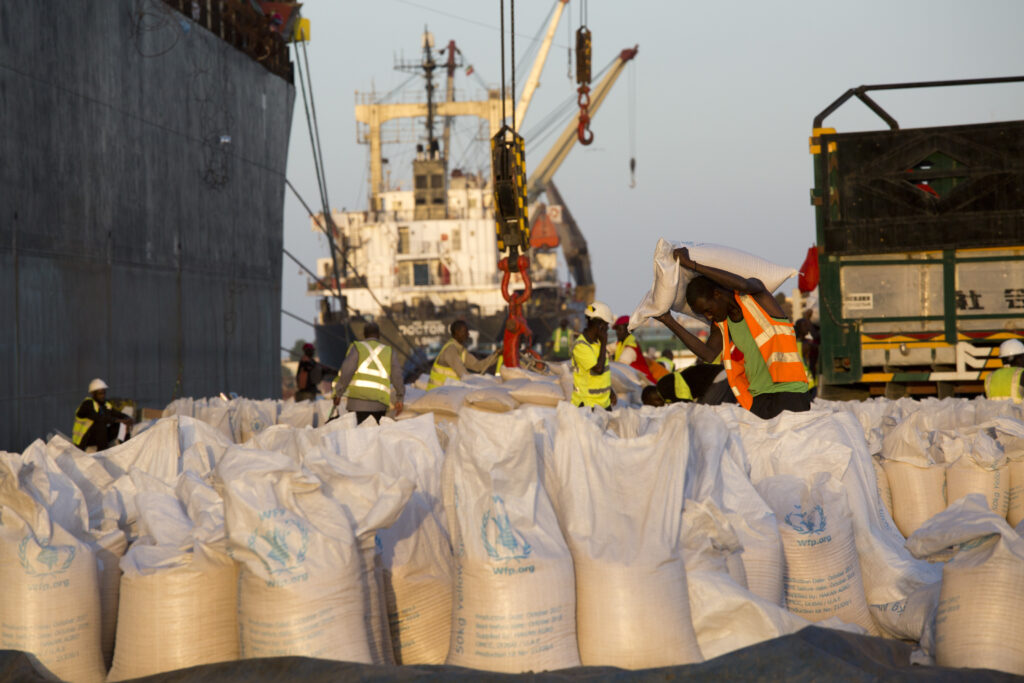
{"x": 47, "y": 561}
{"x": 809, "y": 522}
{"x": 501, "y": 540}
{"x": 281, "y": 543}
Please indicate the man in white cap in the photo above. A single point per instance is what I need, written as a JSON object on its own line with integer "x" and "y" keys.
{"x": 591, "y": 375}
{"x": 1007, "y": 383}
{"x": 96, "y": 421}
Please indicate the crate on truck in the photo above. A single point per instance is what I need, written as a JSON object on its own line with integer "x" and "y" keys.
{"x": 920, "y": 236}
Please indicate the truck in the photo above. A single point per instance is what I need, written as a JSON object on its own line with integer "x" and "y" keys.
{"x": 920, "y": 245}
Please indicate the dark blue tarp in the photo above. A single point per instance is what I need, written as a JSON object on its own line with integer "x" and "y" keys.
{"x": 813, "y": 654}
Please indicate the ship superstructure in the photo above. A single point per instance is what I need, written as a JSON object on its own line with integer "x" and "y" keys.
{"x": 425, "y": 252}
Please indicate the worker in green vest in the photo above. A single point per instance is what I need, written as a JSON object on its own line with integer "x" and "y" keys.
{"x": 561, "y": 341}
{"x": 1007, "y": 383}
{"x": 591, "y": 373}
{"x": 97, "y": 424}
{"x": 367, "y": 374}
{"x": 454, "y": 360}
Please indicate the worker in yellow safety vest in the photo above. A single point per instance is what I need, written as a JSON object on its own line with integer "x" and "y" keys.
{"x": 367, "y": 374}
{"x": 97, "y": 424}
{"x": 753, "y": 334}
{"x": 591, "y": 374}
{"x": 627, "y": 350}
{"x": 454, "y": 360}
{"x": 1007, "y": 383}
{"x": 561, "y": 341}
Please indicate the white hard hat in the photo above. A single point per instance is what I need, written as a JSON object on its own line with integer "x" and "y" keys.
{"x": 599, "y": 310}
{"x": 1011, "y": 348}
{"x": 97, "y": 384}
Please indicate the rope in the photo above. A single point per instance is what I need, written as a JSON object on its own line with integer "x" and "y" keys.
{"x": 513, "y": 38}
{"x": 502, "y": 10}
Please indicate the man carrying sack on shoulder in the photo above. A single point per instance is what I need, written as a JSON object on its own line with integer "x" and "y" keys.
{"x": 751, "y": 331}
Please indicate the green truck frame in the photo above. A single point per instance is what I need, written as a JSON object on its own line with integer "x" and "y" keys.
{"x": 920, "y": 240}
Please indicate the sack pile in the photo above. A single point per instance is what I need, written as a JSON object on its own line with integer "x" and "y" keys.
{"x": 516, "y": 534}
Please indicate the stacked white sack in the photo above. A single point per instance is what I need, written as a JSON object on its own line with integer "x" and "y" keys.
{"x": 709, "y": 543}
{"x": 514, "y": 606}
{"x": 51, "y": 605}
{"x": 803, "y": 444}
{"x": 179, "y": 591}
{"x": 916, "y": 472}
{"x": 670, "y": 279}
{"x": 722, "y": 474}
{"x": 980, "y": 618}
{"x": 303, "y": 584}
{"x": 40, "y": 477}
{"x": 366, "y": 492}
{"x": 416, "y": 549}
{"x": 823, "y": 577}
{"x": 977, "y": 464}
{"x": 620, "y": 504}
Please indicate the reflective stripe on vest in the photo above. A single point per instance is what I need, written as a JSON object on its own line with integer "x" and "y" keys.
{"x": 682, "y": 389}
{"x": 372, "y": 380}
{"x": 83, "y": 424}
{"x": 1004, "y": 385}
{"x": 589, "y": 389}
{"x": 559, "y": 337}
{"x": 439, "y": 374}
{"x": 776, "y": 341}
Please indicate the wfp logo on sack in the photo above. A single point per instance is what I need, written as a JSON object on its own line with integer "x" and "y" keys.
{"x": 810, "y": 522}
{"x": 501, "y": 540}
{"x": 279, "y": 541}
{"x": 44, "y": 560}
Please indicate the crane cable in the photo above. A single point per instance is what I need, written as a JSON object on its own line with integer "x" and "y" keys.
{"x": 631, "y": 122}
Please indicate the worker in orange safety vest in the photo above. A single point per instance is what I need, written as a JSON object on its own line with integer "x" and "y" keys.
{"x": 757, "y": 342}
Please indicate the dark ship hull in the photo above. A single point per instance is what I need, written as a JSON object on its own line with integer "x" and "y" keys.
{"x": 144, "y": 158}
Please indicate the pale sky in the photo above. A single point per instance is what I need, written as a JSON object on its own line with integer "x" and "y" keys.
{"x": 725, "y": 94}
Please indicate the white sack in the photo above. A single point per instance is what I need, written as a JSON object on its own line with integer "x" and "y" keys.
{"x": 978, "y": 465}
{"x": 980, "y": 619}
{"x": 415, "y": 550}
{"x": 514, "y": 606}
{"x": 179, "y": 591}
{"x": 728, "y": 617}
{"x": 447, "y": 398}
{"x": 304, "y": 584}
{"x": 823, "y": 577}
{"x": 51, "y": 603}
{"x": 620, "y": 504}
{"x": 494, "y": 399}
{"x": 670, "y": 279}
{"x": 298, "y": 414}
{"x": 709, "y": 543}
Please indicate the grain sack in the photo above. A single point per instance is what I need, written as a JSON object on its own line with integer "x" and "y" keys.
{"x": 494, "y": 399}
{"x": 709, "y": 543}
{"x": 303, "y": 588}
{"x": 216, "y": 412}
{"x": 882, "y": 480}
{"x": 541, "y": 393}
{"x": 1015, "y": 509}
{"x": 977, "y": 465}
{"x": 620, "y": 504}
{"x": 179, "y": 590}
{"x": 252, "y": 417}
{"x": 823, "y": 577}
{"x": 721, "y": 474}
{"x": 980, "y": 618}
{"x": 109, "y": 547}
{"x": 727, "y": 617}
{"x": 447, "y": 398}
{"x": 297, "y": 414}
{"x": 918, "y": 493}
{"x": 51, "y": 604}
{"x": 179, "y": 406}
{"x": 514, "y": 606}
{"x": 415, "y": 551}
{"x": 670, "y": 279}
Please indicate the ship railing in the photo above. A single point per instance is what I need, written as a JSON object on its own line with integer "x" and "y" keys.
{"x": 241, "y": 25}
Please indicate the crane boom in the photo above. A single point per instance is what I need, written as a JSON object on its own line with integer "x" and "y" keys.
{"x": 533, "y": 80}
{"x": 545, "y": 170}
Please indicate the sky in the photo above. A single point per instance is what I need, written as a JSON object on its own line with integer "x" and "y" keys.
{"x": 722, "y": 95}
